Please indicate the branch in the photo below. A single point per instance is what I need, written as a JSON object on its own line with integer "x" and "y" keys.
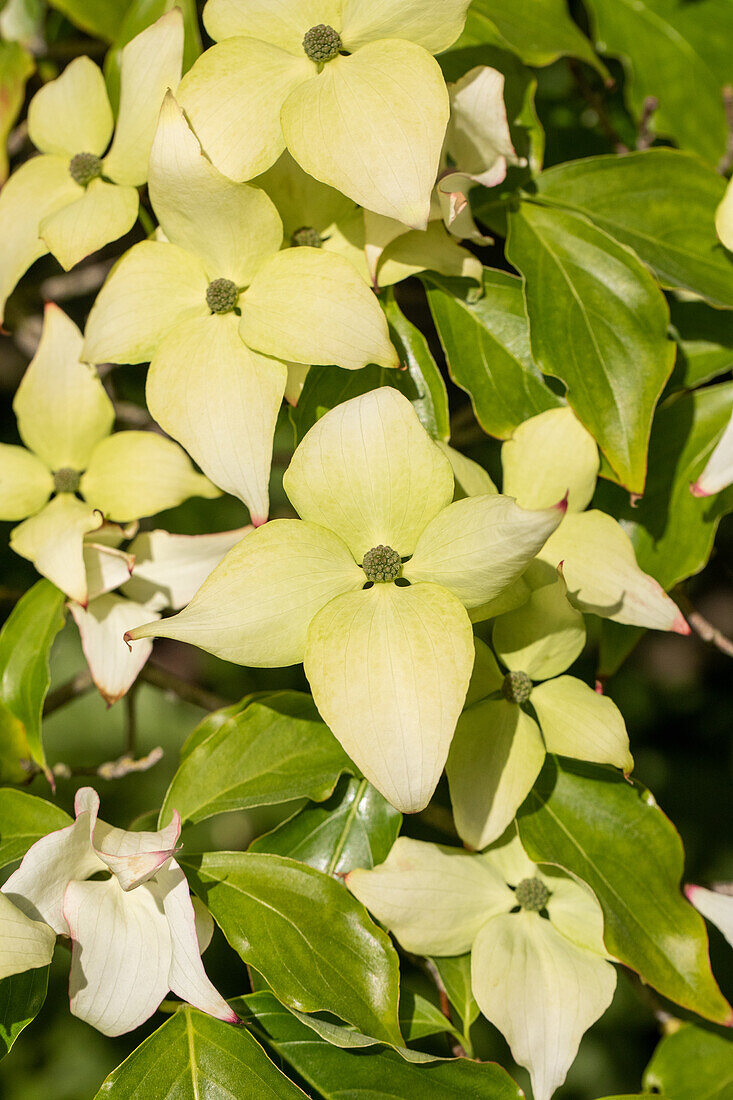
{"x": 598, "y": 104}
{"x": 184, "y": 689}
{"x": 457, "y": 1049}
{"x": 703, "y": 628}
{"x": 74, "y": 688}
{"x": 111, "y": 769}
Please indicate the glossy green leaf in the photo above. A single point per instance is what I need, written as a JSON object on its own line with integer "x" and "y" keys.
{"x": 673, "y": 531}
{"x": 613, "y": 836}
{"x": 431, "y": 403}
{"x": 661, "y": 203}
{"x": 313, "y": 942}
{"x": 21, "y": 999}
{"x": 194, "y": 1056}
{"x": 25, "y": 644}
{"x": 675, "y": 52}
{"x": 100, "y": 18}
{"x": 142, "y": 14}
{"x": 356, "y": 827}
{"x": 598, "y": 321}
{"x": 15, "y": 753}
{"x": 16, "y": 65}
{"x": 539, "y": 31}
{"x": 455, "y": 973}
{"x": 692, "y": 1064}
{"x": 24, "y": 819}
{"x": 340, "y": 1074}
{"x": 326, "y": 387}
{"x": 277, "y": 749}
{"x": 213, "y": 721}
{"x": 420, "y": 1018}
{"x": 704, "y": 343}
{"x": 486, "y": 345}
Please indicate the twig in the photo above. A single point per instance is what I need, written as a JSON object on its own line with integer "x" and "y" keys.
{"x": 111, "y": 769}
{"x": 726, "y": 162}
{"x": 645, "y": 135}
{"x": 184, "y": 689}
{"x": 703, "y": 628}
{"x": 74, "y": 688}
{"x": 596, "y": 101}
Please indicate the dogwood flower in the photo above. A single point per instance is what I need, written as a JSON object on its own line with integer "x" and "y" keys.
{"x": 715, "y": 905}
{"x": 553, "y": 453}
{"x": 539, "y": 970}
{"x": 158, "y": 571}
{"x": 478, "y": 146}
{"x": 724, "y": 218}
{"x": 515, "y": 717}
{"x": 317, "y": 216}
{"x": 133, "y": 933}
{"x": 348, "y": 86}
{"x": 219, "y": 311}
{"x": 369, "y": 588}
{"x": 74, "y": 199}
{"x": 65, "y": 419}
{"x": 718, "y": 472}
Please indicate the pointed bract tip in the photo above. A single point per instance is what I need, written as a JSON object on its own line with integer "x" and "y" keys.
{"x": 257, "y": 521}
{"x": 697, "y": 490}
{"x": 562, "y": 505}
{"x": 690, "y": 891}
{"x": 680, "y": 625}
{"x": 127, "y": 638}
{"x": 635, "y": 498}
{"x": 599, "y": 687}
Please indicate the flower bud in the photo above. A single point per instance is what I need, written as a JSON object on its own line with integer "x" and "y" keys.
{"x": 382, "y": 563}
{"x": 517, "y": 687}
{"x": 222, "y": 296}
{"x": 322, "y": 43}
{"x": 85, "y": 167}
{"x": 532, "y": 894}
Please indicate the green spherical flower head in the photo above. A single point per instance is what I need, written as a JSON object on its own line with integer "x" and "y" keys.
{"x": 517, "y": 687}
{"x": 322, "y": 43}
{"x": 66, "y": 480}
{"x": 382, "y": 563}
{"x": 532, "y": 894}
{"x": 306, "y": 237}
{"x": 222, "y": 295}
{"x": 85, "y": 167}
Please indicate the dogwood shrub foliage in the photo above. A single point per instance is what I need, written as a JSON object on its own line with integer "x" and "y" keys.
{"x": 317, "y": 238}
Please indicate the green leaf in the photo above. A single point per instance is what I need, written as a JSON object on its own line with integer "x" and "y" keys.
{"x": 679, "y": 53}
{"x": 704, "y": 343}
{"x": 692, "y": 1064}
{"x": 455, "y": 974}
{"x": 24, "y": 819}
{"x": 662, "y": 204}
{"x": 25, "y": 644}
{"x": 486, "y": 345}
{"x": 326, "y": 387}
{"x": 673, "y": 531}
{"x": 340, "y": 1074}
{"x": 539, "y": 31}
{"x": 276, "y": 749}
{"x": 142, "y": 14}
{"x": 356, "y": 827}
{"x": 598, "y": 321}
{"x": 194, "y": 1056}
{"x": 16, "y": 65}
{"x": 431, "y": 403}
{"x": 313, "y": 943}
{"x": 611, "y": 834}
{"x": 21, "y": 999}
{"x": 100, "y": 18}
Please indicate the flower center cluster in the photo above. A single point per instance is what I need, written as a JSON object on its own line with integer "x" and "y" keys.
{"x": 517, "y": 687}
{"x": 532, "y": 894}
{"x": 322, "y": 43}
{"x": 85, "y": 167}
{"x": 306, "y": 237}
{"x": 382, "y": 563}
{"x": 222, "y": 296}
{"x": 66, "y": 480}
